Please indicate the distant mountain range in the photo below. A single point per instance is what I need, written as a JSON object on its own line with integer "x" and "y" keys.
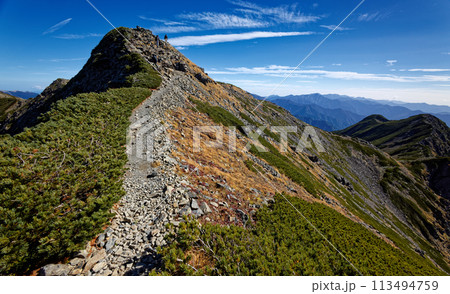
{"x": 22, "y": 94}
{"x": 335, "y": 112}
{"x": 319, "y": 116}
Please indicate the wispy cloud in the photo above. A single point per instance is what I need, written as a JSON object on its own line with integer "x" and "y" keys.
{"x": 170, "y": 27}
{"x": 281, "y": 71}
{"x": 163, "y": 21}
{"x": 391, "y": 62}
{"x": 223, "y": 20}
{"x": 332, "y": 27}
{"x": 174, "y": 29}
{"x": 246, "y": 15}
{"x": 77, "y": 36}
{"x": 57, "y": 26}
{"x": 426, "y": 69}
{"x": 278, "y": 14}
{"x": 222, "y": 38}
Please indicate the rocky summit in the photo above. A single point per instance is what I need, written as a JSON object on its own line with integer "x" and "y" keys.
{"x": 179, "y": 205}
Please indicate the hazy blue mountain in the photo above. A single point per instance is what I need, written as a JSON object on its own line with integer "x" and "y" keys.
{"x": 323, "y": 118}
{"x": 421, "y": 106}
{"x": 341, "y": 111}
{"x": 22, "y": 94}
{"x": 440, "y": 111}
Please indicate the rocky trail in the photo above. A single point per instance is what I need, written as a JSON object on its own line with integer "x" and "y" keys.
{"x": 155, "y": 196}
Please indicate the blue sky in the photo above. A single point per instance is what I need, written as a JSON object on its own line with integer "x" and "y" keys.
{"x": 386, "y": 50}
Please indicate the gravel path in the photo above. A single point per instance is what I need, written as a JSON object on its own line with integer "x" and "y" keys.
{"x": 154, "y": 198}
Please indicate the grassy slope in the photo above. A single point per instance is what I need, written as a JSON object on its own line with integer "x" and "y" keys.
{"x": 286, "y": 166}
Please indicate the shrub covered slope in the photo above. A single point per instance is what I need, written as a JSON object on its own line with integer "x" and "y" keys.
{"x": 283, "y": 243}
{"x": 59, "y": 179}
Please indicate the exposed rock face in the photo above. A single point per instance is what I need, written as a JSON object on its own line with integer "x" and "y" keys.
{"x": 53, "y": 89}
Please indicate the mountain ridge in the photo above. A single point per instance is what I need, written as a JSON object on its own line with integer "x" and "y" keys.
{"x": 401, "y": 138}
{"x": 421, "y": 142}
{"x": 358, "y": 108}
{"x": 377, "y": 201}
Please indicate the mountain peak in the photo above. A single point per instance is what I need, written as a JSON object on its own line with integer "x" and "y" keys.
{"x": 376, "y": 117}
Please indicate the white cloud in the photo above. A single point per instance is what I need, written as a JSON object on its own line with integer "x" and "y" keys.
{"x": 174, "y": 29}
{"x": 56, "y": 26}
{"x": 337, "y": 64}
{"x": 282, "y": 71}
{"x": 77, "y": 36}
{"x": 279, "y": 14}
{"x": 332, "y": 27}
{"x": 38, "y": 87}
{"x": 426, "y": 70}
{"x": 391, "y": 62}
{"x": 247, "y": 15}
{"x": 223, "y": 20}
{"x": 222, "y": 38}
